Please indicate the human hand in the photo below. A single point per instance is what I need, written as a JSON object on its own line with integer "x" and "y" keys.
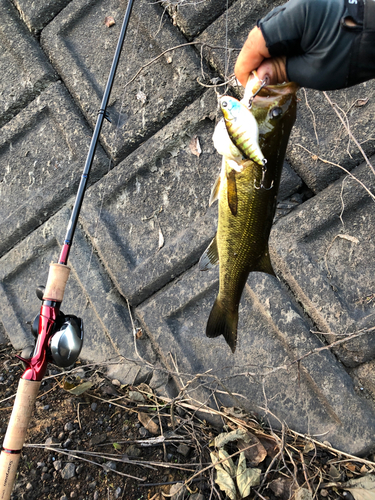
{"x": 255, "y": 56}
{"x": 320, "y": 44}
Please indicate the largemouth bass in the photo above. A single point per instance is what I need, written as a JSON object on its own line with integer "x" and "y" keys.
{"x": 247, "y": 204}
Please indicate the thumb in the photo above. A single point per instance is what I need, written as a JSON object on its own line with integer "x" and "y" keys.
{"x": 273, "y": 70}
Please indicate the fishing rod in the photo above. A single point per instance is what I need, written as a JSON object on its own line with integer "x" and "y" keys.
{"x": 59, "y": 337}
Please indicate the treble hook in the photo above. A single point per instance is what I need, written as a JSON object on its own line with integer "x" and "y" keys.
{"x": 263, "y": 83}
{"x": 262, "y": 185}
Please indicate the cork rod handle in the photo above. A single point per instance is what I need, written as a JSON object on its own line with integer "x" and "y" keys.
{"x": 16, "y": 434}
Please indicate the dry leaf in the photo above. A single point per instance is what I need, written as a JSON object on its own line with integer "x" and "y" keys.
{"x": 256, "y": 453}
{"x": 148, "y": 423}
{"x": 223, "y": 479}
{"x": 361, "y": 102}
{"x": 282, "y": 487}
{"x": 270, "y": 446}
{"x": 334, "y": 473}
{"x": 309, "y": 446}
{"x": 362, "y": 488}
{"x": 227, "y": 437}
{"x": 195, "y": 147}
{"x": 246, "y": 478}
{"x": 351, "y": 467}
{"x": 226, "y": 462}
{"x": 80, "y": 389}
{"x": 109, "y": 21}
{"x": 303, "y": 494}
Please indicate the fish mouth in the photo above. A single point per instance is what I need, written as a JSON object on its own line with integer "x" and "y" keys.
{"x": 277, "y": 90}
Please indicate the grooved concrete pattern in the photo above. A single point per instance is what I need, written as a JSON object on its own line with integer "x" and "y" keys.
{"x": 145, "y": 220}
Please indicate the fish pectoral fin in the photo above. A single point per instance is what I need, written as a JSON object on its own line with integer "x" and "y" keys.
{"x": 210, "y": 257}
{"x": 264, "y": 264}
{"x": 215, "y": 191}
{"x": 232, "y": 191}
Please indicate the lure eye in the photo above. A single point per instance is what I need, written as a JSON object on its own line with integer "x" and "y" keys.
{"x": 224, "y": 104}
{"x": 276, "y": 112}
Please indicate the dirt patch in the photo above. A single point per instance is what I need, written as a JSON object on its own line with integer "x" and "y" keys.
{"x": 91, "y": 439}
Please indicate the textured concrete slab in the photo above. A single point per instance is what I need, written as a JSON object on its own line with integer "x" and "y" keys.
{"x": 315, "y": 396}
{"x": 319, "y": 130}
{"x": 139, "y": 107}
{"x": 24, "y": 69}
{"x": 193, "y": 17}
{"x": 42, "y": 153}
{"x": 89, "y": 294}
{"x": 324, "y": 252}
{"x": 160, "y": 191}
{"x": 226, "y": 36}
{"x": 37, "y": 15}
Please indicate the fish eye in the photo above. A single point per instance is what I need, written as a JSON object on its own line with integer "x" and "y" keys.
{"x": 276, "y": 112}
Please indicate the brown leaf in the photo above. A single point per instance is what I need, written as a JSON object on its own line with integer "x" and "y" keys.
{"x": 109, "y": 21}
{"x": 270, "y": 446}
{"x": 282, "y": 488}
{"x": 256, "y": 453}
{"x": 195, "y": 147}
{"x": 148, "y": 423}
{"x": 361, "y": 102}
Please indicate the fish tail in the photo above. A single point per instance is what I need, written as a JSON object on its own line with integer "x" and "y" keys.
{"x": 223, "y": 322}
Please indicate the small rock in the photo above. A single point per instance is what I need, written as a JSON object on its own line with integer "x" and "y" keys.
{"x": 94, "y": 406}
{"x": 110, "y": 465}
{"x": 92, "y": 485}
{"x": 45, "y": 469}
{"x": 40, "y": 464}
{"x": 79, "y": 469}
{"x": 183, "y": 449}
{"x": 29, "y": 487}
{"x": 136, "y": 396}
{"x": 46, "y": 477}
{"x": 99, "y": 439}
{"x": 50, "y": 441}
{"x": 57, "y": 465}
{"x": 196, "y": 496}
{"x": 68, "y": 443}
{"x": 73, "y": 494}
{"x": 69, "y": 426}
{"x": 118, "y": 492}
{"x": 116, "y": 382}
{"x": 64, "y": 497}
{"x": 61, "y": 436}
{"x": 46, "y": 407}
{"x": 143, "y": 432}
{"x": 133, "y": 451}
{"x": 68, "y": 471}
{"x": 177, "y": 491}
{"x": 96, "y": 495}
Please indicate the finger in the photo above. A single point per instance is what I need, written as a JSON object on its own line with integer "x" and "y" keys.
{"x": 251, "y": 56}
{"x": 273, "y": 70}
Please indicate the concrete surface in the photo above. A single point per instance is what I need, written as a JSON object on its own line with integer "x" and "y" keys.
{"x": 145, "y": 220}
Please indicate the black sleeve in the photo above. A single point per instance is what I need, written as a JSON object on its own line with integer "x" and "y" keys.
{"x": 322, "y": 51}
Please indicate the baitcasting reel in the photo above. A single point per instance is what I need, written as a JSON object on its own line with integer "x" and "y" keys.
{"x": 67, "y": 339}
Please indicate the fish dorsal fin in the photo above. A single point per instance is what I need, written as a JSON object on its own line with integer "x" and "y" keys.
{"x": 215, "y": 191}
{"x": 210, "y": 257}
{"x": 264, "y": 264}
{"x": 232, "y": 191}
